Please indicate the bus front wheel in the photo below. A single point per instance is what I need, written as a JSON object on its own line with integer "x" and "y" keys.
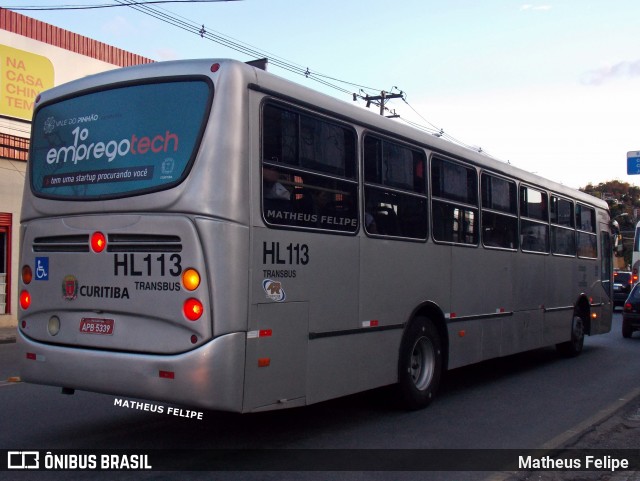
{"x": 573, "y": 347}
{"x": 420, "y": 364}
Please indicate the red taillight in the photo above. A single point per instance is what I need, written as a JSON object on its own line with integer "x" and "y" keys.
{"x": 27, "y": 274}
{"x": 98, "y": 242}
{"x": 634, "y": 275}
{"x": 25, "y": 300}
{"x": 628, "y": 307}
{"x": 192, "y": 309}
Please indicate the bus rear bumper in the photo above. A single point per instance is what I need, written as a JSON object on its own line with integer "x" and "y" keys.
{"x": 210, "y": 377}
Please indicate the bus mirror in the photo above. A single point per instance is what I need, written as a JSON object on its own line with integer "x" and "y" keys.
{"x": 615, "y": 228}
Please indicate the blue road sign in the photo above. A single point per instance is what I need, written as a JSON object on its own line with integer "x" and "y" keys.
{"x": 633, "y": 163}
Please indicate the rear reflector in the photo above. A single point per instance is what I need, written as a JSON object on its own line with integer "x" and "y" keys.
{"x": 167, "y": 374}
{"x": 27, "y": 274}
{"x": 32, "y": 356}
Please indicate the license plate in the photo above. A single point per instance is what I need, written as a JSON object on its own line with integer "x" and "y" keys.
{"x": 91, "y": 325}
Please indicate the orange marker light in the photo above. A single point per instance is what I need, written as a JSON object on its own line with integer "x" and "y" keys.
{"x": 98, "y": 242}
{"x": 190, "y": 279}
{"x": 25, "y": 300}
{"x": 192, "y": 309}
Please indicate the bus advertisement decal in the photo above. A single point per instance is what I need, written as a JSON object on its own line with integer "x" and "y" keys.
{"x": 99, "y": 176}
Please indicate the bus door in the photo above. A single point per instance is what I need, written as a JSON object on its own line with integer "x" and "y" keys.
{"x": 605, "y": 314}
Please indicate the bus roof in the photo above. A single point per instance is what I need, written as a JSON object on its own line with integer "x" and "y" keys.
{"x": 269, "y": 83}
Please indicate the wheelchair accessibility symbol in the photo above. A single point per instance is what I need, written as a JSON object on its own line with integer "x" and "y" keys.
{"x": 42, "y": 268}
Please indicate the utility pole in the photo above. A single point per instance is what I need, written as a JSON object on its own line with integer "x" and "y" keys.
{"x": 383, "y": 98}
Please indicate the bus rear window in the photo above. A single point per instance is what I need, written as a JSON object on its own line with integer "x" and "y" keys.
{"x": 118, "y": 142}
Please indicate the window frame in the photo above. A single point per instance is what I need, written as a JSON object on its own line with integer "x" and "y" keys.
{"x": 532, "y": 220}
{"x": 557, "y": 226}
{"x": 581, "y": 233}
{"x": 379, "y": 185}
{"x": 457, "y": 204}
{"x": 512, "y": 213}
{"x": 287, "y": 168}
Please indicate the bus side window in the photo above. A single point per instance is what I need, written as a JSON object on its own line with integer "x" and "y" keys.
{"x": 499, "y": 212}
{"x": 534, "y": 222}
{"x": 563, "y": 234}
{"x": 586, "y": 237}
{"x": 454, "y": 202}
{"x": 309, "y": 171}
{"x": 395, "y": 189}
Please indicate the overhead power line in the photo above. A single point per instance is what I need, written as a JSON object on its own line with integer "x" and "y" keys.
{"x": 105, "y": 5}
{"x": 370, "y": 95}
{"x": 254, "y": 52}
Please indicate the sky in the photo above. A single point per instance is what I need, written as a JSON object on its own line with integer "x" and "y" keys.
{"x": 552, "y": 86}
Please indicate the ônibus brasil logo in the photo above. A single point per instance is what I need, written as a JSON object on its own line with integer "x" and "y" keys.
{"x": 83, "y": 150}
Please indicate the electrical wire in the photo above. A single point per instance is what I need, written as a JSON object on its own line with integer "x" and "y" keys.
{"x": 149, "y": 7}
{"x": 105, "y": 5}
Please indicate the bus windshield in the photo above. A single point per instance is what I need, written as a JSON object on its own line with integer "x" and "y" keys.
{"x": 123, "y": 141}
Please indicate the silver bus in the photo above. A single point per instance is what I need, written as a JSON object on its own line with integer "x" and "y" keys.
{"x": 206, "y": 233}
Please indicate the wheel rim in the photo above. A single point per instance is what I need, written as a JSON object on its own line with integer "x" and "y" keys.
{"x": 422, "y": 363}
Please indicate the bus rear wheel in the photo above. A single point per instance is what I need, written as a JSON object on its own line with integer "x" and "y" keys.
{"x": 420, "y": 364}
{"x": 573, "y": 347}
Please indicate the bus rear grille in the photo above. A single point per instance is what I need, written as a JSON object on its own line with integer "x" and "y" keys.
{"x": 62, "y": 243}
{"x": 143, "y": 243}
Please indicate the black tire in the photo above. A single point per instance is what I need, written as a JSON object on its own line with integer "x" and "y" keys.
{"x": 574, "y": 346}
{"x": 420, "y": 364}
{"x": 627, "y": 330}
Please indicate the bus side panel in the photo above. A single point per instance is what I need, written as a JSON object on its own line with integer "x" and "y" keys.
{"x": 529, "y": 286}
{"x": 482, "y": 285}
{"x": 522, "y": 331}
{"x": 343, "y": 365}
{"x": 290, "y": 266}
{"x": 561, "y": 295}
{"x": 397, "y": 276}
{"x": 481, "y": 281}
{"x": 465, "y": 342}
{"x": 225, "y": 246}
{"x": 277, "y": 356}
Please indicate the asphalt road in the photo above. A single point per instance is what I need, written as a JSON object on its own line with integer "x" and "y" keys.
{"x": 525, "y": 401}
